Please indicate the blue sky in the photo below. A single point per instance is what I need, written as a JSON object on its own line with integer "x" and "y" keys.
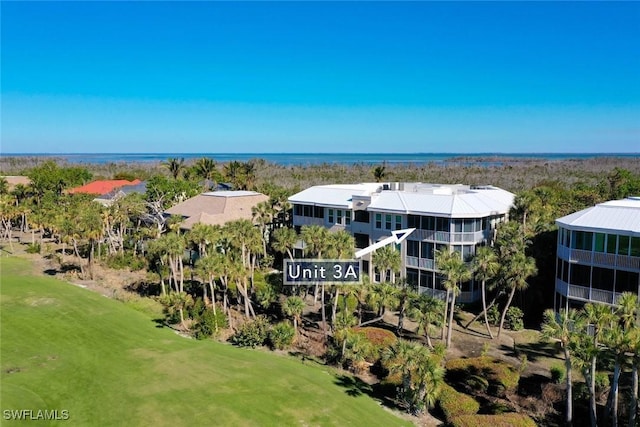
{"x": 320, "y": 77}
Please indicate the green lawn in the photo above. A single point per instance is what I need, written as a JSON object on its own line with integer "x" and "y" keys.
{"x": 66, "y": 348}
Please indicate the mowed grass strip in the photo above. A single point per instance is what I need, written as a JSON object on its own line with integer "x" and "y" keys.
{"x": 66, "y": 348}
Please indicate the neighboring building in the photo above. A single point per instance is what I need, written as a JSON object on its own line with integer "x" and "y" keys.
{"x": 598, "y": 255}
{"x": 108, "y": 198}
{"x": 103, "y": 187}
{"x": 457, "y": 216}
{"x": 217, "y": 207}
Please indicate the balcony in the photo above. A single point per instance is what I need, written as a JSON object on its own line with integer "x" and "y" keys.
{"x": 600, "y": 259}
{"x": 412, "y": 261}
{"x": 587, "y": 294}
{"x": 433, "y": 293}
{"x": 307, "y": 220}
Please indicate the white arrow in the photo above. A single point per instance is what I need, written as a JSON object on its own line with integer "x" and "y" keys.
{"x": 396, "y": 237}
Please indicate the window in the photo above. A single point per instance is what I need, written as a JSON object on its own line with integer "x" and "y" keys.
{"x": 307, "y": 210}
{"x": 623, "y": 245}
{"x": 339, "y": 212}
{"x": 362, "y": 240}
{"x": 442, "y": 224}
{"x": 582, "y": 240}
{"x": 426, "y": 250}
{"x": 387, "y": 222}
{"x": 635, "y": 246}
{"x": 485, "y": 223}
{"x": 478, "y": 224}
{"x": 467, "y": 252}
{"x": 602, "y": 278}
{"x": 331, "y": 216}
{"x": 347, "y": 217}
{"x": 378, "y": 221}
{"x": 580, "y": 275}
{"x": 457, "y": 225}
{"x": 426, "y": 279}
{"x": 413, "y": 248}
{"x": 468, "y": 225}
{"x": 361, "y": 216}
{"x": 297, "y": 210}
{"x": 413, "y": 221}
{"x": 412, "y": 277}
{"x": 599, "y": 238}
{"x": 611, "y": 243}
{"x": 626, "y": 281}
{"x": 318, "y": 212}
{"x": 398, "y": 222}
{"x": 428, "y": 223}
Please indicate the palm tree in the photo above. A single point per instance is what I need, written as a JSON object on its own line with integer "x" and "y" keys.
{"x": 421, "y": 372}
{"x": 601, "y": 317}
{"x": 517, "y": 270}
{"x": 209, "y": 267}
{"x": 340, "y": 245}
{"x": 425, "y": 311}
{"x": 175, "y": 166}
{"x": 263, "y": 216}
{"x": 284, "y": 240}
{"x": 203, "y": 235}
{"x": 205, "y": 168}
{"x": 315, "y": 238}
{"x": 381, "y": 296}
{"x": 486, "y": 266}
{"x": 173, "y": 245}
{"x": 620, "y": 341}
{"x": 293, "y": 307}
{"x": 564, "y": 327}
{"x": 456, "y": 272}
{"x": 379, "y": 172}
{"x": 386, "y": 258}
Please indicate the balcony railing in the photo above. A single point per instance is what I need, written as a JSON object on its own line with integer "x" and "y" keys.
{"x": 434, "y": 293}
{"x": 598, "y": 258}
{"x": 587, "y": 294}
{"x": 420, "y": 262}
{"x": 307, "y": 220}
{"x": 469, "y": 297}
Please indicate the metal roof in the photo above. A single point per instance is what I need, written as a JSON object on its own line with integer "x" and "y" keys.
{"x": 620, "y": 216}
{"x": 458, "y": 201}
{"x": 335, "y": 195}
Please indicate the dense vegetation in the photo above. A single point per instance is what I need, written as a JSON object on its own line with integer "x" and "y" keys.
{"x": 224, "y": 287}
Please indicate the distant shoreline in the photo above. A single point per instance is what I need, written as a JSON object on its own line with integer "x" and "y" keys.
{"x": 290, "y": 159}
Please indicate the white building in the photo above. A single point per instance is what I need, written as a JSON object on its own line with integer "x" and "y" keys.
{"x": 457, "y": 216}
{"x": 598, "y": 254}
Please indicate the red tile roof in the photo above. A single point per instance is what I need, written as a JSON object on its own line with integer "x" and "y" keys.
{"x": 103, "y": 187}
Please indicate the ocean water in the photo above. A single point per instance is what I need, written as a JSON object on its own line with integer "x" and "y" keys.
{"x": 485, "y": 159}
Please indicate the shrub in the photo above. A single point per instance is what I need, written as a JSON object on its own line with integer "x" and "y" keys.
{"x": 281, "y": 335}
{"x": 493, "y": 315}
{"x": 377, "y": 336}
{"x": 478, "y": 383}
{"x": 557, "y": 373}
{"x": 503, "y": 420}
{"x": 513, "y": 319}
{"x": 33, "y": 248}
{"x": 124, "y": 261}
{"x": 500, "y": 375}
{"x": 209, "y": 323}
{"x": 251, "y": 333}
{"x": 455, "y": 404}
